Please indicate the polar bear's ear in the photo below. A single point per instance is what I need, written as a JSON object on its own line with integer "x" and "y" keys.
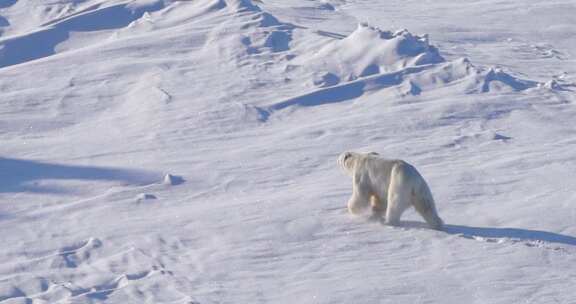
{"x": 346, "y": 156}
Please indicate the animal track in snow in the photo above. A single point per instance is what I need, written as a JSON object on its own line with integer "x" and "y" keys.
{"x": 73, "y": 256}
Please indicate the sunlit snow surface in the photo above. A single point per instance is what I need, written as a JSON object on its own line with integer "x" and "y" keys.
{"x": 185, "y": 151}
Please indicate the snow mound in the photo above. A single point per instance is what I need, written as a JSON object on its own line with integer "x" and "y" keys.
{"x": 245, "y": 30}
{"x": 478, "y": 79}
{"x": 234, "y": 6}
{"x": 242, "y": 5}
{"x": 172, "y": 180}
{"x": 497, "y": 79}
{"x": 246, "y": 7}
{"x": 368, "y": 51}
{"x": 459, "y": 75}
{"x": 145, "y": 197}
{"x": 44, "y": 41}
{"x": 370, "y": 60}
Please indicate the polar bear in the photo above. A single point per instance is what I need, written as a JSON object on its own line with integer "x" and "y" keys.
{"x": 390, "y": 186}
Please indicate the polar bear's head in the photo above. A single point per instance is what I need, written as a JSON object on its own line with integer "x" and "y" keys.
{"x": 347, "y": 159}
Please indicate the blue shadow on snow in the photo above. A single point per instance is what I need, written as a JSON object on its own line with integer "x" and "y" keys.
{"x": 7, "y": 3}
{"x": 510, "y": 233}
{"x": 348, "y": 91}
{"x": 17, "y": 175}
{"x": 492, "y": 234}
{"x": 323, "y": 96}
{"x": 4, "y": 22}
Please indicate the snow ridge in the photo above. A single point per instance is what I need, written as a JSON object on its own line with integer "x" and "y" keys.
{"x": 44, "y": 41}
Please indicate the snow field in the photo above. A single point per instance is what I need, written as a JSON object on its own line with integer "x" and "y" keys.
{"x": 185, "y": 151}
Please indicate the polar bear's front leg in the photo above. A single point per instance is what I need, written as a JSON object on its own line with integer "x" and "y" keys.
{"x": 358, "y": 202}
{"x": 360, "y": 198}
{"x": 378, "y": 207}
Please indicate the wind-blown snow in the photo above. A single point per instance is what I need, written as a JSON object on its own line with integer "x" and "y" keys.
{"x": 185, "y": 151}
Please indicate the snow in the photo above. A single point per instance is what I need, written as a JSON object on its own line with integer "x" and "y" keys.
{"x": 185, "y": 151}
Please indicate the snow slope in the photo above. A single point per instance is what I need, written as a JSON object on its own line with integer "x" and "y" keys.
{"x": 246, "y": 105}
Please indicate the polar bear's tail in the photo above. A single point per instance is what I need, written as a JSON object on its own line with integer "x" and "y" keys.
{"x": 424, "y": 204}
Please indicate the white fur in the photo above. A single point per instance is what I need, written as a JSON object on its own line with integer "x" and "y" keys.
{"x": 390, "y": 186}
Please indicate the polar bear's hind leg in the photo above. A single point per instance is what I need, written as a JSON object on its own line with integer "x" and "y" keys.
{"x": 398, "y": 194}
{"x": 424, "y": 205}
{"x": 396, "y": 205}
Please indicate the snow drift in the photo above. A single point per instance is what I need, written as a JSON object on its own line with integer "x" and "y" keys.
{"x": 368, "y": 51}
{"x": 370, "y": 60}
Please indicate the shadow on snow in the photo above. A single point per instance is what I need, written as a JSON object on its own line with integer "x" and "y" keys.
{"x": 491, "y": 234}
{"x": 18, "y": 175}
{"x": 7, "y": 3}
{"x": 510, "y": 233}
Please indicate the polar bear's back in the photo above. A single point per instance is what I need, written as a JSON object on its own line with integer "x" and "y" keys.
{"x": 382, "y": 170}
